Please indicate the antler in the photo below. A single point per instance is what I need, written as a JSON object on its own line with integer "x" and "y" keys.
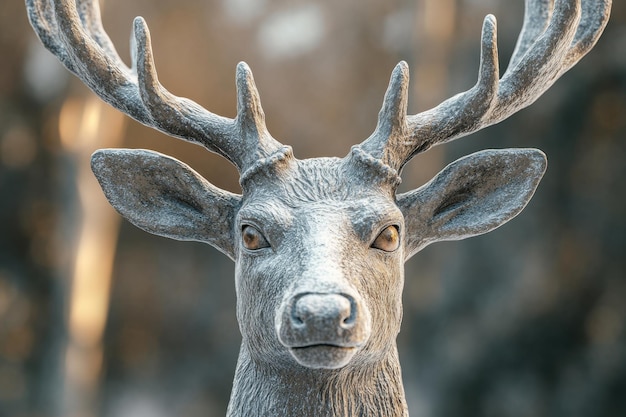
{"x": 72, "y": 30}
{"x": 552, "y": 40}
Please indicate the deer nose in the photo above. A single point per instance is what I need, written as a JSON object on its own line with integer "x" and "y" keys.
{"x": 321, "y": 312}
{"x": 330, "y": 319}
{"x": 323, "y": 330}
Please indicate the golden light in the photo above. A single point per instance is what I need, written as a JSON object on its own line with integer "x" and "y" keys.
{"x": 84, "y": 126}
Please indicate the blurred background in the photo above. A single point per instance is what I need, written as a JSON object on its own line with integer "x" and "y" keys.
{"x": 98, "y": 318}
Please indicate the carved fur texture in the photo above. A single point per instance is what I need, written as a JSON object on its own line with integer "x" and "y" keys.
{"x": 320, "y": 244}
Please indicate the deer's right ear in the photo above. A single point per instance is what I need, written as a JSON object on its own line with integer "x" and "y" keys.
{"x": 163, "y": 196}
{"x": 471, "y": 196}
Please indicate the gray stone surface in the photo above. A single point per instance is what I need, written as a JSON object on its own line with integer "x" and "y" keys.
{"x": 319, "y": 244}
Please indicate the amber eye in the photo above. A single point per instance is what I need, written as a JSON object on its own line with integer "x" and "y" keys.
{"x": 253, "y": 239}
{"x": 388, "y": 240}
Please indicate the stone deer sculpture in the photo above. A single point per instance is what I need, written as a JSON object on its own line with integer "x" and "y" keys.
{"x": 319, "y": 244}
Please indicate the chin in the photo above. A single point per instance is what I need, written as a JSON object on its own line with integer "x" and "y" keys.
{"x": 323, "y": 356}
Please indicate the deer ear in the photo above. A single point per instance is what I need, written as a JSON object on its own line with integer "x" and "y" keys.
{"x": 163, "y": 196}
{"x": 471, "y": 196}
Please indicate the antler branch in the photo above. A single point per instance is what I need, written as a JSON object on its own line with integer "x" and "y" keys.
{"x": 554, "y": 37}
{"x": 72, "y": 30}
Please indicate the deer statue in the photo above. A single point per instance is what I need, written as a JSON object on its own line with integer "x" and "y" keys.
{"x": 319, "y": 244}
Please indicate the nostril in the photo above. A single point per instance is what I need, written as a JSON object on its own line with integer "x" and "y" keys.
{"x": 350, "y": 319}
{"x": 350, "y": 313}
{"x": 296, "y": 319}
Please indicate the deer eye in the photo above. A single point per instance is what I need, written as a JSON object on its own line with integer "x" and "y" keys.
{"x": 388, "y": 240}
{"x": 253, "y": 239}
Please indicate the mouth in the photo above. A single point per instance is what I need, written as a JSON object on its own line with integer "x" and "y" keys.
{"x": 323, "y": 356}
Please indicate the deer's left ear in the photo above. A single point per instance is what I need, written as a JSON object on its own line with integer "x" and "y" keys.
{"x": 163, "y": 196}
{"x": 471, "y": 196}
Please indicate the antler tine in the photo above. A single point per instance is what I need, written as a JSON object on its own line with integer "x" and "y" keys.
{"x": 445, "y": 122}
{"x": 392, "y": 116}
{"x": 105, "y": 74}
{"x": 251, "y": 118}
{"x": 553, "y": 38}
{"x": 595, "y": 16}
{"x": 42, "y": 19}
{"x": 541, "y": 65}
{"x": 243, "y": 141}
{"x": 89, "y": 13}
{"x": 537, "y": 15}
{"x": 72, "y": 30}
{"x": 167, "y": 112}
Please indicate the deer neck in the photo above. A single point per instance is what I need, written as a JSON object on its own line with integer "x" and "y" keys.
{"x": 372, "y": 390}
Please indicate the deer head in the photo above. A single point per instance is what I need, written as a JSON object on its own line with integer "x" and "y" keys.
{"x": 319, "y": 244}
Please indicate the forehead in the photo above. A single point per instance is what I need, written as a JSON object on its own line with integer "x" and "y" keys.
{"x": 320, "y": 187}
{"x": 319, "y": 179}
